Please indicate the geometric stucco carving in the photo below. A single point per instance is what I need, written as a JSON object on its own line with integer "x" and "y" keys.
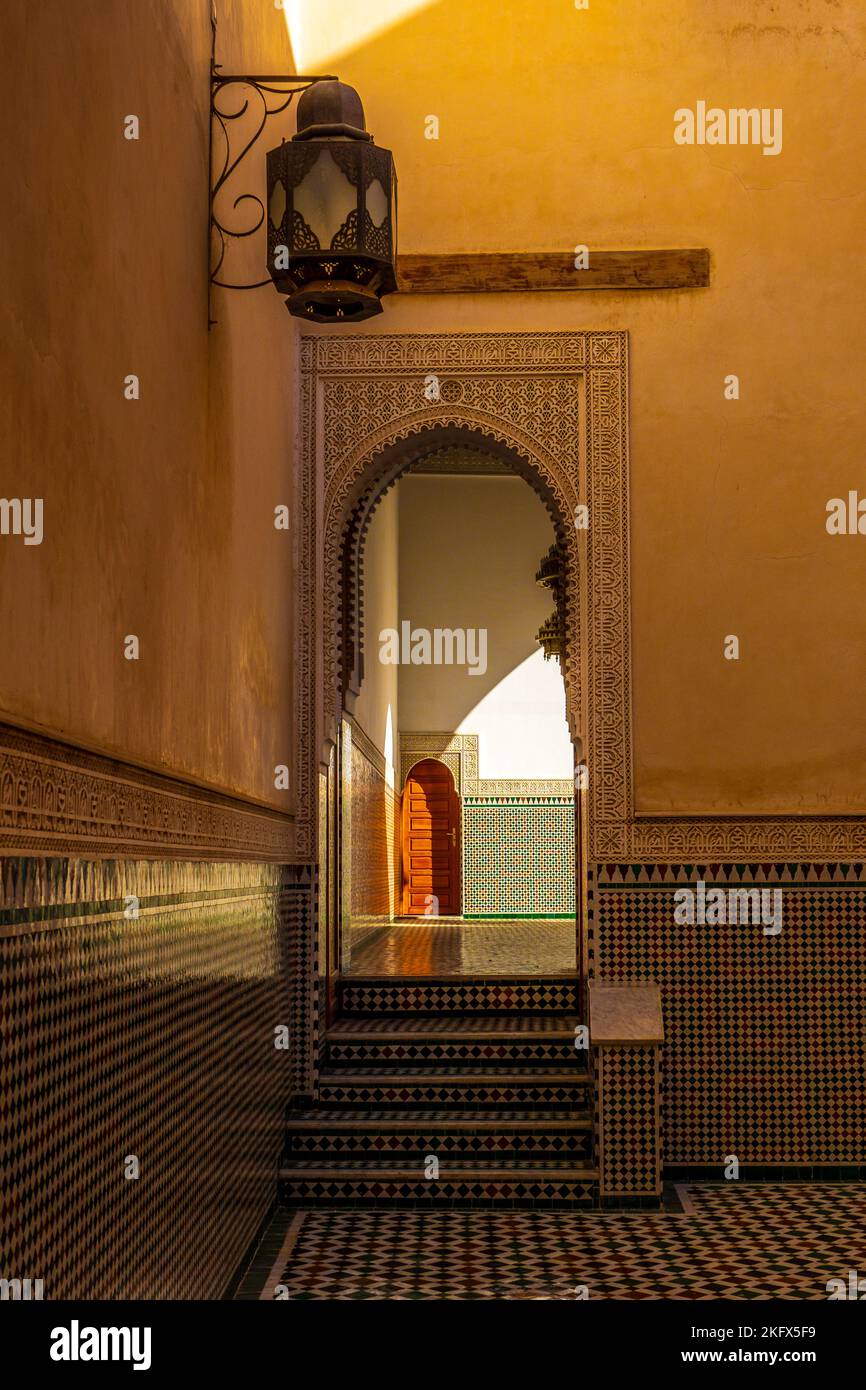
{"x": 459, "y": 753}
{"x": 707, "y": 839}
{"x": 554, "y": 408}
{"x": 59, "y": 800}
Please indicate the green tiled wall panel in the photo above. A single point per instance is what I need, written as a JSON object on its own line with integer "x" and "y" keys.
{"x": 518, "y": 856}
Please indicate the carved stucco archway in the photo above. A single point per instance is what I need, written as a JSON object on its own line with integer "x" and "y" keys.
{"x": 425, "y": 444}
{"x": 450, "y": 763}
{"x": 553, "y": 406}
{"x": 458, "y": 752}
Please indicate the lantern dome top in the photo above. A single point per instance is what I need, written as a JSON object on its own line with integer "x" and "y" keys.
{"x": 331, "y": 108}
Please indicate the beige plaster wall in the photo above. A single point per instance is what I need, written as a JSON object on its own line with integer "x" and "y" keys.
{"x": 158, "y": 513}
{"x": 377, "y": 706}
{"x": 556, "y": 128}
{"x": 469, "y": 551}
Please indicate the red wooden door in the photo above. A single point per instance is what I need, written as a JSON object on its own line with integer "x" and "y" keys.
{"x": 431, "y": 848}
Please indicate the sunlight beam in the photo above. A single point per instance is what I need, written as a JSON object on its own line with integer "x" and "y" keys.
{"x": 323, "y": 30}
{"x": 521, "y": 724}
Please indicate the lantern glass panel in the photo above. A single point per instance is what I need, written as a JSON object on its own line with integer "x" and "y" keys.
{"x": 277, "y": 204}
{"x": 325, "y": 198}
{"x": 377, "y": 203}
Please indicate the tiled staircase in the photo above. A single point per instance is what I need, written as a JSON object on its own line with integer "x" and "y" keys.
{"x": 481, "y": 1075}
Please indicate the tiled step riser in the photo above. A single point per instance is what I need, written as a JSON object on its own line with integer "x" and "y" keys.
{"x": 421, "y": 1192}
{"x": 392, "y": 996}
{"x": 573, "y": 1096}
{"x": 420, "y": 1053}
{"x": 573, "y": 1147}
{"x": 502, "y": 1098}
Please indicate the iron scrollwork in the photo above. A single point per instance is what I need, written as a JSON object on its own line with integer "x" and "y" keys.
{"x": 274, "y": 95}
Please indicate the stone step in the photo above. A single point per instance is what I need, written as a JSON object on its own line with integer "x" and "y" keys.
{"x": 502, "y": 994}
{"x": 452, "y": 1133}
{"x": 392, "y": 1182}
{"x": 526, "y": 1088}
{"x": 490, "y": 1040}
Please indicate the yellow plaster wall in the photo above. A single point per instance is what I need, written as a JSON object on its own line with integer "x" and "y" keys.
{"x": 556, "y": 128}
{"x": 158, "y": 513}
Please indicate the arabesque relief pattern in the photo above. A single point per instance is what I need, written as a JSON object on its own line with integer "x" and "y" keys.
{"x": 553, "y": 399}
{"x": 57, "y": 799}
{"x": 459, "y": 753}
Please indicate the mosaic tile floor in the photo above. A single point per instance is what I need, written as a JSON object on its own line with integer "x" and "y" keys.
{"x": 450, "y": 946}
{"x": 780, "y": 1240}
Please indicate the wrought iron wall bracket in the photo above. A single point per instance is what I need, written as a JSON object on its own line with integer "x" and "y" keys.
{"x": 265, "y": 96}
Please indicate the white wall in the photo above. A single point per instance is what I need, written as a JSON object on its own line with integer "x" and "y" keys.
{"x": 521, "y": 724}
{"x": 376, "y": 709}
{"x": 469, "y": 548}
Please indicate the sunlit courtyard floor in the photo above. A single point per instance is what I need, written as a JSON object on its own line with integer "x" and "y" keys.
{"x": 729, "y": 1240}
{"x": 452, "y": 946}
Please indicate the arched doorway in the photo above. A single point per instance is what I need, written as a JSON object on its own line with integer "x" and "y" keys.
{"x": 430, "y": 816}
{"x": 554, "y": 405}
{"x": 344, "y": 584}
{"x": 462, "y": 579}
{"x": 430, "y": 842}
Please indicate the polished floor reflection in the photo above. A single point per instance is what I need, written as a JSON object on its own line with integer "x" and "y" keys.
{"x": 451, "y": 946}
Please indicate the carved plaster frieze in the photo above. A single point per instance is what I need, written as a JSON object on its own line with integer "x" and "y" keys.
{"x": 459, "y": 753}
{"x": 502, "y": 787}
{"x": 60, "y": 800}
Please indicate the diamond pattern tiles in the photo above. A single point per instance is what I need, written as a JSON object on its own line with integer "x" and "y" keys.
{"x": 740, "y": 1242}
{"x": 537, "y": 1087}
{"x": 487, "y": 1108}
{"x": 627, "y": 1091}
{"x": 403, "y": 1044}
{"x": 150, "y": 1038}
{"x": 765, "y": 1049}
{"x": 456, "y": 1185}
{"x": 471, "y": 1134}
{"x": 395, "y": 994}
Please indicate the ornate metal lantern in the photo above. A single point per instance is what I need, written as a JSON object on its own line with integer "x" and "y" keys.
{"x": 549, "y": 573}
{"x": 551, "y": 634}
{"x": 332, "y": 211}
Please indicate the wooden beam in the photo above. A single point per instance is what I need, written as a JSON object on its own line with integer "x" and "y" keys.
{"x": 508, "y": 272}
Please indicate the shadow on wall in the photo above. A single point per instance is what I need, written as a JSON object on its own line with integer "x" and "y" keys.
{"x": 469, "y": 549}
